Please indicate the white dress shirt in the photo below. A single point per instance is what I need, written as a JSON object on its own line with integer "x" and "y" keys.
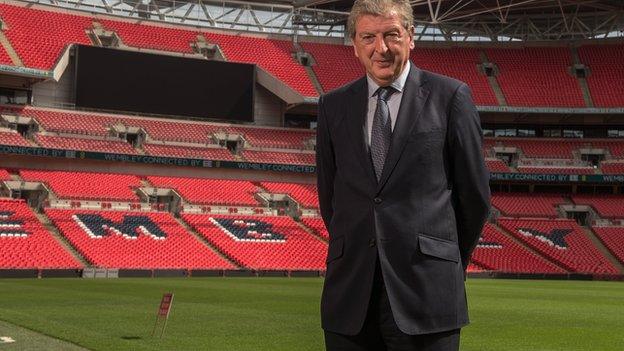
{"x": 394, "y": 102}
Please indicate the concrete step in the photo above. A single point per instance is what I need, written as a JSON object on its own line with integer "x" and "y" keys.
{"x": 17, "y": 61}
{"x": 547, "y": 259}
{"x": 47, "y": 223}
{"x": 203, "y": 240}
{"x": 603, "y": 249}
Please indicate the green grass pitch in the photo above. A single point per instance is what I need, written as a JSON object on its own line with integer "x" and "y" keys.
{"x": 283, "y": 314}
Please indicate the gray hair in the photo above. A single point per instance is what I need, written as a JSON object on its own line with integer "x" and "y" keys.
{"x": 380, "y": 8}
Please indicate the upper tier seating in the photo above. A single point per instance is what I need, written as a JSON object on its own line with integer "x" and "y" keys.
{"x": 527, "y": 205}
{"x": 612, "y": 167}
{"x": 262, "y": 242}
{"x": 111, "y": 145}
{"x": 12, "y": 138}
{"x": 562, "y": 241}
{"x": 606, "y": 73}
{"x": 4, "y": 57}
{"x": 25, "y": 243}
{"x": 4, "y": 174}
{"x": 613, "y": 238}
{"x": 289, "y": 158}
{"x": 497, "y": 252}
{"x": 304, "y": 194}
{"x": 136, "y": 240}
{"x": 556, "y": 170}
{"x": 459, "y": 63}
{"x": 206, "y": 153}
{"x": 607, "y": 206}
{"x": 336, "y": 65}
{"x": 537, "y": 77}
{"x": 210, "y": 191}
{"x": 317, "y": 225}
{"x": 87, "y": 185}
{"x": 30, "y": 34}
{"x": 39, "y": 36}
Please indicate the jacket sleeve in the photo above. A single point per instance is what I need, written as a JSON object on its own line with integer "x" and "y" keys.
{"x": 325, "y": 165}
{"x": 470, "y": 176}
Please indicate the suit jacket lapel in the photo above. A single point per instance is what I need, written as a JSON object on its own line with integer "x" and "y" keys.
{"x": 356, "y": 124}
{"x": 412, "y": 103}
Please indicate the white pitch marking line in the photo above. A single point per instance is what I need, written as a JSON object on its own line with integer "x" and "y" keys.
{"x": 6, "y": 339}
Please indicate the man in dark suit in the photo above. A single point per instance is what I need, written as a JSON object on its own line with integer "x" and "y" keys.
{"x": 403, "y": 192}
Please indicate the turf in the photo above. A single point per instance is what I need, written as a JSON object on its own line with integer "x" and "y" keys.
{"x": 282, "y": 313}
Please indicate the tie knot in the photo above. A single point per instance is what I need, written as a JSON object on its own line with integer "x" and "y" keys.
{"x": 384, "y": 93}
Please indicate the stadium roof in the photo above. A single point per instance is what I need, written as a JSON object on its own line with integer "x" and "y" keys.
{"x": 508, "y": 19}
{"x": 444, "y": 20}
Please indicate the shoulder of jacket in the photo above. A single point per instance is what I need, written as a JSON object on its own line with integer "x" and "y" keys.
{"x": 442, "y": 83}
{"x": 343, "y": 92}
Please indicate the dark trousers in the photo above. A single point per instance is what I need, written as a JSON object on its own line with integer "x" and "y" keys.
{"x": 381, "y": 333}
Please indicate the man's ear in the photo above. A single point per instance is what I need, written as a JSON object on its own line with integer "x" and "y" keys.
{"x": 354, "y": 48}
{"x": 410, "y": 32}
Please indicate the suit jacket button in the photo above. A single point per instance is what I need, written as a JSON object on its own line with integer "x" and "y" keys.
{"x": 377, "y": 200}
{"x": 371, "y": 242}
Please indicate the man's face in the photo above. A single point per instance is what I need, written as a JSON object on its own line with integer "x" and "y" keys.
{"x": 383, "y": 45}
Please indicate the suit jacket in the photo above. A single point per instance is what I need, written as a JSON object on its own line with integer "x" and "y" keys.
{"x": 422, "y": 220}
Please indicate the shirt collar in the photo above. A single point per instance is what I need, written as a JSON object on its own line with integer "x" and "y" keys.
{"x": 398, "y": 83}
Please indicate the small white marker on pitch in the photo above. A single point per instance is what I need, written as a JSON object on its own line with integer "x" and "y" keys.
{"x": 6, "y": 340}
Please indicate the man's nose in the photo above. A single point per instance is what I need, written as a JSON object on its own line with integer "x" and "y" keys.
{"x": 380, "y": 44}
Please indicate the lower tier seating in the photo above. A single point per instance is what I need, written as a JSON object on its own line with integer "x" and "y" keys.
{"x": 613, "y": 238}
{"x": 497, "y": 252}
{"x": 25, "y": 243}
{"x": 527, "y": 205}
{"x": 304, "y": 194}
{"x": 612, "y": 167}
{"x": 317, "y": 225}
{"x": 136, "y": 240}
{"x": 562, "y": 241}
{"x": 497, "y": 166}
{"x": 87, "y": 185}
{"x": 262, "y": 242}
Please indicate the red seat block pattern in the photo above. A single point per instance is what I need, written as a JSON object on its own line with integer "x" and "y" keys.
{"x": 288, "y": 158}
{"x": 138, "y": 240}
{"x": 458, "y": 63}
{"x": 210, "y": 191}
{"x": 4, "y": 174}
{"x": 12, "y": 138}
{"x": 189, "y": 152}
{"x": 87, "y": 185}
{"x": 25, "y": 243}
{"x": 262, "y": 242}
{"x": 527, "y": 205}
{"x": 305, "y": 194}
{"x": 557, "y": 170}
{"x": 149, "y": 36}
{"x": 39, "y": 37}
{"x": 606, "y": 73}
{"x": 537, "y": 77}
{"x": 497, "y": 252}
{"x": 496, "y": 165}
{"x": 317, "y": 225}
{"x": 607, "y": 206}
{"x": 612, "y": 167}
{"x": 562, "y": 241}
{"x": 613, "y": 238}
{"x": 112, "y": 146}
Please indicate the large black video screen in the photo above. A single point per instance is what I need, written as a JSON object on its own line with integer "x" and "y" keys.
{"x": 123, "y": 80}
